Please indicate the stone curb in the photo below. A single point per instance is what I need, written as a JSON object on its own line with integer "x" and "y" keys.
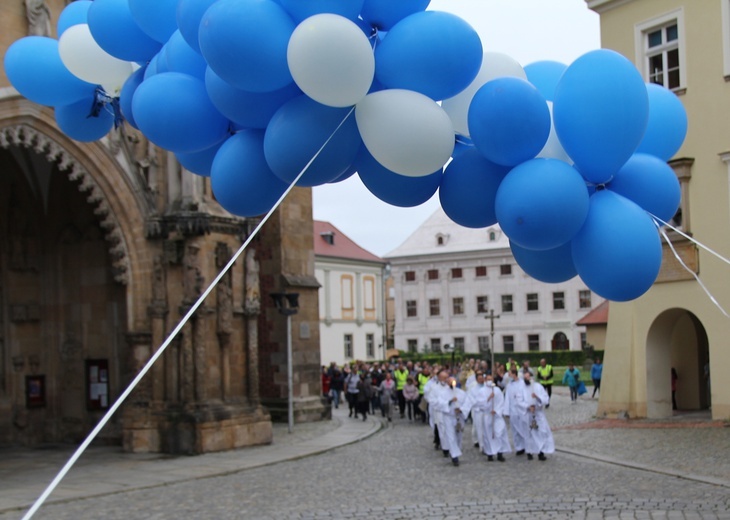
{"x": 644, "y": 467}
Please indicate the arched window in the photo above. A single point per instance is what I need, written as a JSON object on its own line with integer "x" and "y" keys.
{"x": 560, "y": 341}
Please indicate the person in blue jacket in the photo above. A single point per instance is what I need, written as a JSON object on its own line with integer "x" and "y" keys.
{"x": 596, "y": 372}
{"x": 572, "y": 379}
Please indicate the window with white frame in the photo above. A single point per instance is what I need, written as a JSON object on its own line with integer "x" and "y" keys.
{"x": 459, "y": 344}
{"x": 435, "y": 344}
{"x": 348, "y": 346}
{"x": 660, "y": 49}
{"x": 533, "y": 342}
{"x": 458, "y": 306}
{"x": 434, "y": 307}
{"x": 411, "y": 308}
{"x": 482, "y": 304}
{"x": 558, "y": 301}
{"x": 508, "y": 343}
{"x": 483, "y": 343}
{"x": 413, "y": 346}
{"x": 370, "y": 345}
{"x": 584, "y": 299}
{"x": 533, "y": 302}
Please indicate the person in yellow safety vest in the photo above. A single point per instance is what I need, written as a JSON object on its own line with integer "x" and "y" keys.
{"x": 509, "y": 364}
{"x": 400, "y": 375}
{"x": 545, "y": 377}
{"x": 422, "y": 378}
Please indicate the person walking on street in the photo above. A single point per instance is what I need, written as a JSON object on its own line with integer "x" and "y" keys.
{"x": 572, "y": 379}
{"x": 513, "y": 407}
{"x": 386, "y": 389}
{"x": 450, "y": 402}
{"x": 351, "y": 391}
{"x": 540, "y": 438}
{"x": 400, "y": 375}
{"x": 545, "y": 378}
{"x": 410, "y": 394}
{"x": 365, "y": 391}
{"x": 596, "y": 373}
{"x": 337, "y": 382}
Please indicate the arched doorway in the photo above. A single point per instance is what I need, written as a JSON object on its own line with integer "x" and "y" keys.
{"x": 560, "y": 341}
{"x": 63, "y": 314}
{"x": 676, "y": 339}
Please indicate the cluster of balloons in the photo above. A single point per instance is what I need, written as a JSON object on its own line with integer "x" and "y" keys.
{"x": 569, "y": 160}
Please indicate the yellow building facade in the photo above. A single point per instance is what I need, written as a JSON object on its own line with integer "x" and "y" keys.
{"x": 684, "y": 45}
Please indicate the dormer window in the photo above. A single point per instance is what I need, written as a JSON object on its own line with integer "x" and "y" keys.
{"x": 329, "y": 237}
{"x": 493, "y": 234}
{"x": 441, "y": 239}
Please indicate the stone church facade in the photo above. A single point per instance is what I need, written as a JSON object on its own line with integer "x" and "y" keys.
{"x": 104, "y": 247}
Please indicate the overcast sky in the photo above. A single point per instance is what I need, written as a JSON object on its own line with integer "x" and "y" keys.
{"x": 528, "y": 31}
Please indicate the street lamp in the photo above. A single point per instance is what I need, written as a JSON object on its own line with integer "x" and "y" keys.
{"x": 288, "y": 304}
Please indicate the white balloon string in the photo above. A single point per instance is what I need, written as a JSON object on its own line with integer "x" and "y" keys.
{"x": 80, "y": 450}
{"x": 691, "y": 271}
{"x": 718, "y": 255}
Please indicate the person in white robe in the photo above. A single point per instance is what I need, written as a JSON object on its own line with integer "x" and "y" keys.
{"x": 476, "y": 404}
{"x": 449, "y": 402}
{"x": 496, "y": 438}
{"x": 513, "y": 397}
{"x": 540, "y": 438}
{"x": 471, "y": 382}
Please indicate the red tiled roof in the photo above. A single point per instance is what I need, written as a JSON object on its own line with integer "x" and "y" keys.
{"x": 598, "y": 316}
{"x": 342, "y": 246}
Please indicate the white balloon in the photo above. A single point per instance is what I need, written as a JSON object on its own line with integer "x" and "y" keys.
{"x": 553, "y": 149}
{"x": 405, "y": 131}
{"x": 331, "y": 60}
{"x": 494, "y": 65}
{"x": 83, "y": 57}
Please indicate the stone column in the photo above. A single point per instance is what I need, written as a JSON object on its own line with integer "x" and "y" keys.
{"x": 252, "y": 309}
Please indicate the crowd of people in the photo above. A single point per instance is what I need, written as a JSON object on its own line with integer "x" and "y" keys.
{"x": 511, "y": 399}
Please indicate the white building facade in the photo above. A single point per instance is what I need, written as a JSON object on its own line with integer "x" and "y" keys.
{"x": 448, "y": 279}
{"x": 351, "y": 300}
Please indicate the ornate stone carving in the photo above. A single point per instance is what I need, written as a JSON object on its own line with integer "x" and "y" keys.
{"x": 252, "y": 301}
{"x": 23, "y": 135}
{"x": 39, "y": 18}
{"x": 192, "y": 277}
{"x": 224, "y": 291}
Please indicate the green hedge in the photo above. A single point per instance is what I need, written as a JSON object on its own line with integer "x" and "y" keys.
{"x": 559, "y": 358}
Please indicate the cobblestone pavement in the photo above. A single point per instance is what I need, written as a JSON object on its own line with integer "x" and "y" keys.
{"x": 396, "y": 474}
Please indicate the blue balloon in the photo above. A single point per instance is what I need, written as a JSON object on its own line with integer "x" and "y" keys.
{"x": 127, "y": 94}
{"x": 435, "y": 53}
{"x": 158, "y": 18}
{"x": 113, "y": 28}
{"x": 545, "y": 75}
{"x": 77, "y": 122}
{"x": 299, "y": 129}
{"x": 189, "y": 15}
{"x": 541, "y": 204}
{"x": 509, "y": 121}
{"x": 299, "y": 10}
{"x": 351, "y": 170}
{"x": 173, "y": 111}
{"x": 151, "y": 68}
{"x": 667, "y": 126}
{"x": 549, "y": 266}
{"x": 384, "y": 14}
{"x": 600, "y": 113}
{"x": 34, "y": 68}
{"x": 469, "y": 189}
{"x": 180, "y": 57}
{"x": 247, "y": 109}
{"x": 200, "y": 162}
{"x": 74, "y": 13}
{"x": 393, "y": 188}
{"x": 241, "y": 180}
{"x": 245, "y": 42}
{"x": 618, "y": 252}
{"x": 649, "y": 182}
